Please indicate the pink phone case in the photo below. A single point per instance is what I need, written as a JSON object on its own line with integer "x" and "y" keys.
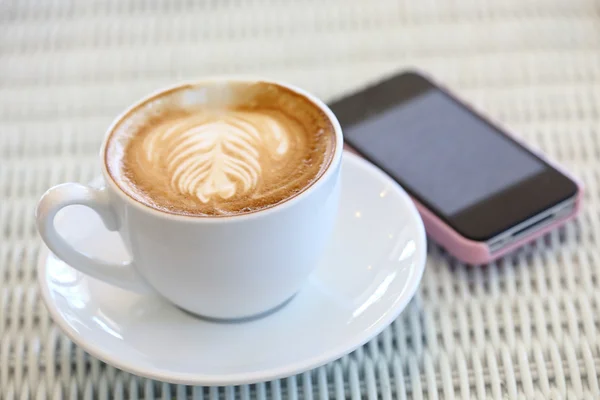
{"x": 470, "y": 251}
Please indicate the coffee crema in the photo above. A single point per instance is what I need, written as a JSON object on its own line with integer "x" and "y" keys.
{"x": 220, "y": 148}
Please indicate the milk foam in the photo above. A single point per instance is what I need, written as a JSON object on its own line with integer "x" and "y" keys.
{"x": 214, "y": 155}
{"x": 220, "y": 149}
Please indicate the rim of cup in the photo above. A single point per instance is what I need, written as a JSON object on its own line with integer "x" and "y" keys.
{"x": 321, "y": 179}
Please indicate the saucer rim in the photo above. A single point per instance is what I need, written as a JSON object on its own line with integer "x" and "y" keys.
{"x": 304, "y": 365}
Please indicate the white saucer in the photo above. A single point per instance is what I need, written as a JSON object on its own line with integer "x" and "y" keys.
{"x": 369, "y": 273}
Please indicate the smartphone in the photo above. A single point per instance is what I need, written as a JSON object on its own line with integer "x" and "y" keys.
{"x": 480, "y": 191}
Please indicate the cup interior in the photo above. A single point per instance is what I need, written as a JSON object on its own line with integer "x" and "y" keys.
{"x": 211, "y": 94}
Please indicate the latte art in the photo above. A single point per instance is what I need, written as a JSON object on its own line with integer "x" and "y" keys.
{"x": 210, "y": 156}
{"x": 219, "y": 149}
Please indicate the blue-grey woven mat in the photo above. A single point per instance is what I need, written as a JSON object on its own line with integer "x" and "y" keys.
{"x": 527, "y": 327}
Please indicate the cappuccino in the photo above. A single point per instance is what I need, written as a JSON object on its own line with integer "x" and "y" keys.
{"x": 220, "y": 148}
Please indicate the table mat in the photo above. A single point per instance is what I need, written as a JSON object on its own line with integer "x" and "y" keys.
{"x": 525, "y": 327}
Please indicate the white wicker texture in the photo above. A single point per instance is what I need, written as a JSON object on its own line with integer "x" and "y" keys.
{"x": 526, "y": 327}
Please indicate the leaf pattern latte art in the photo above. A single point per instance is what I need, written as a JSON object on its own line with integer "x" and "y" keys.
{"x": 216, "y": 155}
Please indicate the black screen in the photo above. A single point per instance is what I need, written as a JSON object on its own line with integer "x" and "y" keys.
{"x": 442, "y": 151}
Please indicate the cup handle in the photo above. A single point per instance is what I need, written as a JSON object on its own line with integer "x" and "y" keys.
{"x": 123, "y": 275}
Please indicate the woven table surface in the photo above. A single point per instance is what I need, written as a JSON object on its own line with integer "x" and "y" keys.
{"x": 526, "y": 327}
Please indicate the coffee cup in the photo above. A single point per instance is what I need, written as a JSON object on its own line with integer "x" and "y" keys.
{"x": 224, "y": 191}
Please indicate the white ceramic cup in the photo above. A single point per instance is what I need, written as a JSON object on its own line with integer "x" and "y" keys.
{"x": 218, "y": 267}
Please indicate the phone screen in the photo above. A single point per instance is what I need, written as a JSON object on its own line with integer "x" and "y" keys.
{"x": 454, "y": 161}
{"x": 442, "y": 151}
